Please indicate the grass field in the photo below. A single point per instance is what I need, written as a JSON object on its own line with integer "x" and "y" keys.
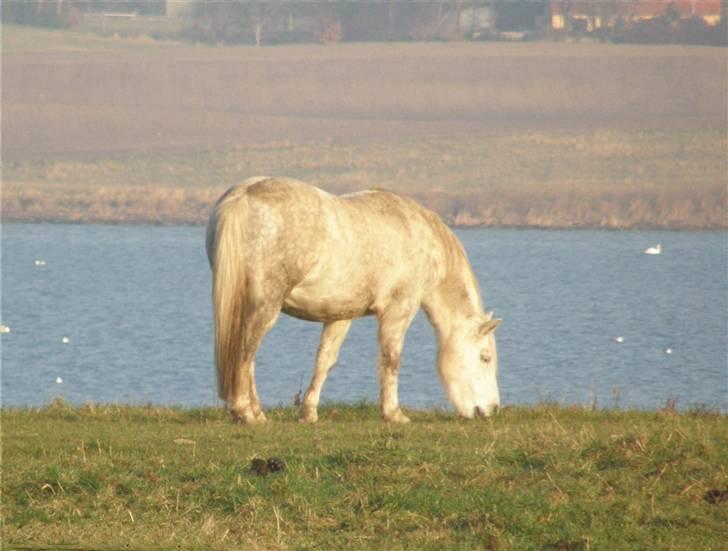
{"x": 113, "y": 477}
{"x": 97, "y": 129}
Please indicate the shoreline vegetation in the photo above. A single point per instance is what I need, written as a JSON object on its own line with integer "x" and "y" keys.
{"x": 614, "y": 179}
{"x": 541, "y": 477}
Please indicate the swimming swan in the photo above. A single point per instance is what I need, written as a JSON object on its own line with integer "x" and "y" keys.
{"x": 657, "y": 249}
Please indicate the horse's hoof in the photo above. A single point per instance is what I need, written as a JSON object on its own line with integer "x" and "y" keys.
{"x": 239, "y": 419}
{"x": 248, "y": 418}
{"x": 396, "y": 417}
{"x": 308, "y": 415}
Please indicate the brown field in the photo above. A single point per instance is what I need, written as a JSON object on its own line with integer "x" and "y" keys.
{"x": 539, "y": 134}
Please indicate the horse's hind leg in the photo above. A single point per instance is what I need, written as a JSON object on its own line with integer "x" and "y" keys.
{"x": 332, "y": 337}
{"x": 244, "y": 402}
{"x": 254, "y": 400}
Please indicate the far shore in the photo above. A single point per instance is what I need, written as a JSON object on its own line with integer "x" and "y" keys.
{"x": 601, "y": 179}
{"x": 162, "y": 205}
{"x": 554, "y": 209}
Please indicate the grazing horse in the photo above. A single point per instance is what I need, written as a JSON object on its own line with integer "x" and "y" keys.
{"x": 277, "y": 244}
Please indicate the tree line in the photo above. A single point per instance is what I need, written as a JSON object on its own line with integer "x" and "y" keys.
{"x": 267, "y": 22}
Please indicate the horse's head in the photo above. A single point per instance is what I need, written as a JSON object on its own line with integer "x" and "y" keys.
{"x": 468, "y": 365}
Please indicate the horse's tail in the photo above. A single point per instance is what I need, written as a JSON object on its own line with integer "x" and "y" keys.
{"x": 228, "y": 291}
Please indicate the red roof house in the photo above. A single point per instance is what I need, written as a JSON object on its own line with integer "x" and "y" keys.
{"x": 594, "y": 14}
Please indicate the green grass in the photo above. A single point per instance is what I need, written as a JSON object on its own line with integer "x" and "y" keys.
{"x": 110, "y": 477}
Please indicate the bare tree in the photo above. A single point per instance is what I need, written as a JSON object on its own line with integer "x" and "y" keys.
{"x": 266, "y": 16}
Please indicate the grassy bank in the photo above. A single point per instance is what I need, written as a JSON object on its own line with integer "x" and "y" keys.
{"x": 106, "y": 477}
{"x": 552, "y": 179}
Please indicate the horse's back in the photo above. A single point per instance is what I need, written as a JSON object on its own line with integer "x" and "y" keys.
{"x": 265, "y": 207}
{"x": 301, "y": 211}
{"x": 337, "y": 256}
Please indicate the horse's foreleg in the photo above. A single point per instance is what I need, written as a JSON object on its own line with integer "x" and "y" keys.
{"x": 332, "y": 338}
{"x": 393, "y": 324}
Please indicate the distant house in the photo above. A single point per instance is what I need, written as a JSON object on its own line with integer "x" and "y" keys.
{"x": 179, "y": 8}
{"x": 476, "y": 20}
{"x": 591, "y": 15}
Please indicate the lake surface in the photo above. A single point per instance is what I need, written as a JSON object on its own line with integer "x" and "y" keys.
{"x": 133, "y": 304}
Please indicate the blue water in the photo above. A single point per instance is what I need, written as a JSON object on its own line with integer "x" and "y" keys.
{"x": 134, "y": 304}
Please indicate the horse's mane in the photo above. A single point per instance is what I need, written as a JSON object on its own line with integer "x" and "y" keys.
{"x": 458, "y": 275}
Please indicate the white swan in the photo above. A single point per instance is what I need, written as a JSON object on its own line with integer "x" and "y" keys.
{"x": 657, "y": 249}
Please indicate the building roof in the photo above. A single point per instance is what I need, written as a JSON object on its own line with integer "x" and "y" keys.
{"x": 636, "y": 8}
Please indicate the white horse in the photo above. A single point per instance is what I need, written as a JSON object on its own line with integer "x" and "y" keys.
{"x": 281, "y": 245}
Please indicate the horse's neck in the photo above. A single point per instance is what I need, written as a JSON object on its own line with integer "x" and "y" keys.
{"x": 455, "y": 300}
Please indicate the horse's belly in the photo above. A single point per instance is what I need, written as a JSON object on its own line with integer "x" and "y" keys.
{"x": 315, "y": 306}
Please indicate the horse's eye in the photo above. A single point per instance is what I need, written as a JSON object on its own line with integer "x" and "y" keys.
{"x": 485, "y": 356}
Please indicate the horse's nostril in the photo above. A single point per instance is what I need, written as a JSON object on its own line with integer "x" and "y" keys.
{"x": 485, "y": 412}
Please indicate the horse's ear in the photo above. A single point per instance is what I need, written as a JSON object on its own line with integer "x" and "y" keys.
{"x": 489, "y": 326}
{"x": 489, "y": 315}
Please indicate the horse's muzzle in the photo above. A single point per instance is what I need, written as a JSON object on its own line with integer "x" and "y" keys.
{"x": 483, "y": 412}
